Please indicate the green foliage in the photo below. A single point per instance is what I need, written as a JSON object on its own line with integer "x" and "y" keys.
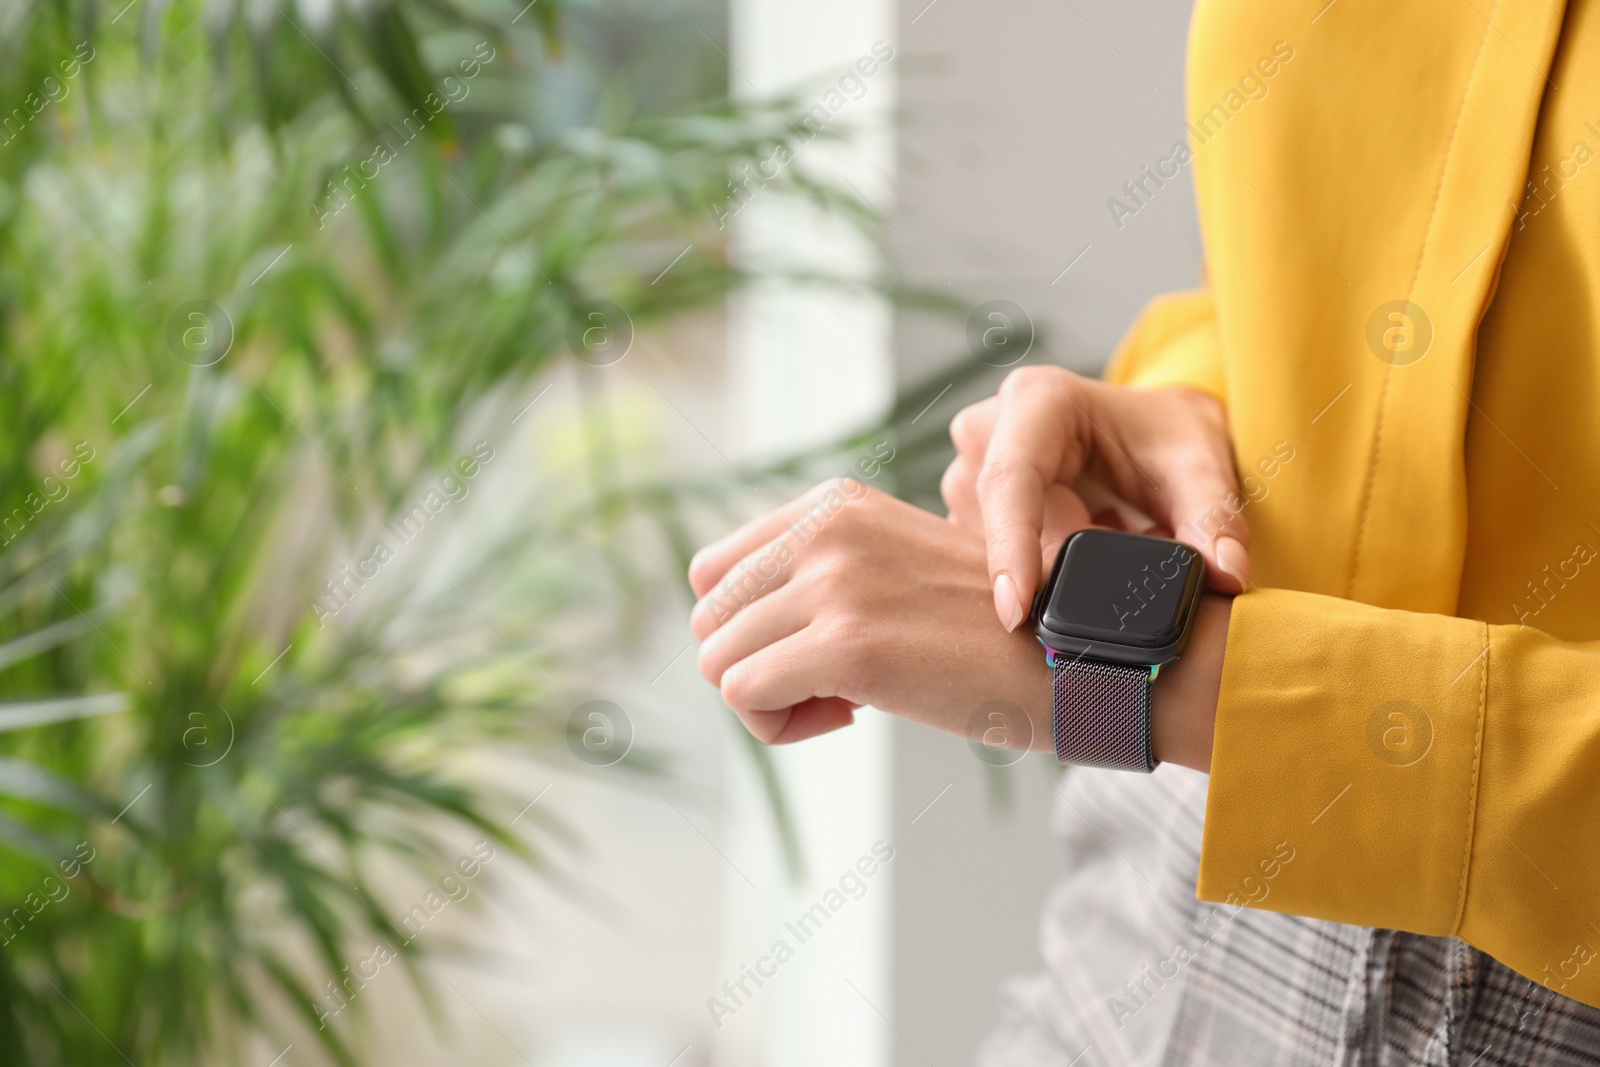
{"x": 264, "y": 278}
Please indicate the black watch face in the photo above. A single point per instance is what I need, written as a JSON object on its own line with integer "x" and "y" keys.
{"x": 1122, "y": 588}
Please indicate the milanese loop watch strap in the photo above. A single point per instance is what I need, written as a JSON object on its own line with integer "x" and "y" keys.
{"x": 1102, "y": 714}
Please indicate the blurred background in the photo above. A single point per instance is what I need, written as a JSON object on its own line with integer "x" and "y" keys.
{"x": 371, "y": 369}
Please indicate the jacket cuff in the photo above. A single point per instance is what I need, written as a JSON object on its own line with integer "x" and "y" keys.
{"x": 1348, "y": 738}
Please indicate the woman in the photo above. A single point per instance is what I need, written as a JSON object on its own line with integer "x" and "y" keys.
{"x": 1398, "y": 714}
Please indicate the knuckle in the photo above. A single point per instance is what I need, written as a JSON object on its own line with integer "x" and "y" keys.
{"x": 999, "y": 472}
{"x": 1021, "y": 380}
{"x": 741, "y": 687}
{"x": 834, "y": 493}
{"x": 830, "y": 577}
{"x": 953, "y": 483}
{"x": 851, "y": 642}
{"x": 1036, "y": 377}
{"x": 961, "y": 431}
{"x": 848, "y": 486}
{"x": 710, "y": 665}
{"x": 702, "y": 624}
{"x": 1197, "y": 462}
{"x": 742, "y": 586}
{"x": 827, "y": 509}
{"x": 1201, "y": 410}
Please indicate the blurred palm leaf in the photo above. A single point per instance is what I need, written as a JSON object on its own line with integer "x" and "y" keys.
{"x": 267, "y": 766}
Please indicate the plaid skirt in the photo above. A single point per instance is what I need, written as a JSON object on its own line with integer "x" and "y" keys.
{"x": 1138, "y": 973}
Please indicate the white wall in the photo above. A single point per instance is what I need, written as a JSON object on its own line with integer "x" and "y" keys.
{"x": 1019, "y": 121}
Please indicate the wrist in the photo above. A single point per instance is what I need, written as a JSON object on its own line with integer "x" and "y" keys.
{"x": 1183, "y": 707}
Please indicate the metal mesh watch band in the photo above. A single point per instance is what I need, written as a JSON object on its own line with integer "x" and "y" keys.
{"x": 1102, "y": 714}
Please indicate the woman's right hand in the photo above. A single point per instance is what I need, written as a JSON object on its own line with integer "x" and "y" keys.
{"x": 1034, "y": 461}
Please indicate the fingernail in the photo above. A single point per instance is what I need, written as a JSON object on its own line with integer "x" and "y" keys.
{"x": 1007, "y": 602}
{"x": 1234, "y": 560}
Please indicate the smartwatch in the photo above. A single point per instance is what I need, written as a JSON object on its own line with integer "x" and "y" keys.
{"x": 1117, "y": 607}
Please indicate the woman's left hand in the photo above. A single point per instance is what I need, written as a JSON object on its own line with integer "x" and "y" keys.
{"x": 848, "y": 596}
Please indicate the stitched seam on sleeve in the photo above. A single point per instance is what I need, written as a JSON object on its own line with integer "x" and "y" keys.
{"x": 1472, "y": 793}
{"x": 1416, "y": 275}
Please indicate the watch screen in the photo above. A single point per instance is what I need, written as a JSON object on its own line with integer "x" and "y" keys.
{"x": 1121, "y": 587}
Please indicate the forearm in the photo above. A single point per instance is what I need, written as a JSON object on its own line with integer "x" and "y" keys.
{"x": 1183, "y": 710}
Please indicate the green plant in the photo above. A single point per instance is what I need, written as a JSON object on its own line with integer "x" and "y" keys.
{"x": 251, "y": 361}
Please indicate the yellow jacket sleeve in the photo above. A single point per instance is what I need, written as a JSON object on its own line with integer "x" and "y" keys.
{"x": 1174, "y": 342}
{"x": 1426, "y": 772}
{"x": 1429, "y": 773}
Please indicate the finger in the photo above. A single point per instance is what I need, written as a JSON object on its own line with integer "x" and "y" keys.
{"x": 1034, "y": 445}
{"x": 809, "y": 718}
{"x": 969, "y": 432}
{"x": 960, "y": 491}
{"x": 801, "y": 516}
{"x": 1065, "y": 513}
{"x": 1110, "y": 508}
{"x": 819, "y": 715}
{"x": 757, "y": 576}
{"x": 765, "y": 622}
{"x": 766, "y": 685}
{"x": 972, "y": 427}
{"x": 1204, "y": 508}
{"x": 712, "y": 563}
{"x": 1196, "y": 495}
